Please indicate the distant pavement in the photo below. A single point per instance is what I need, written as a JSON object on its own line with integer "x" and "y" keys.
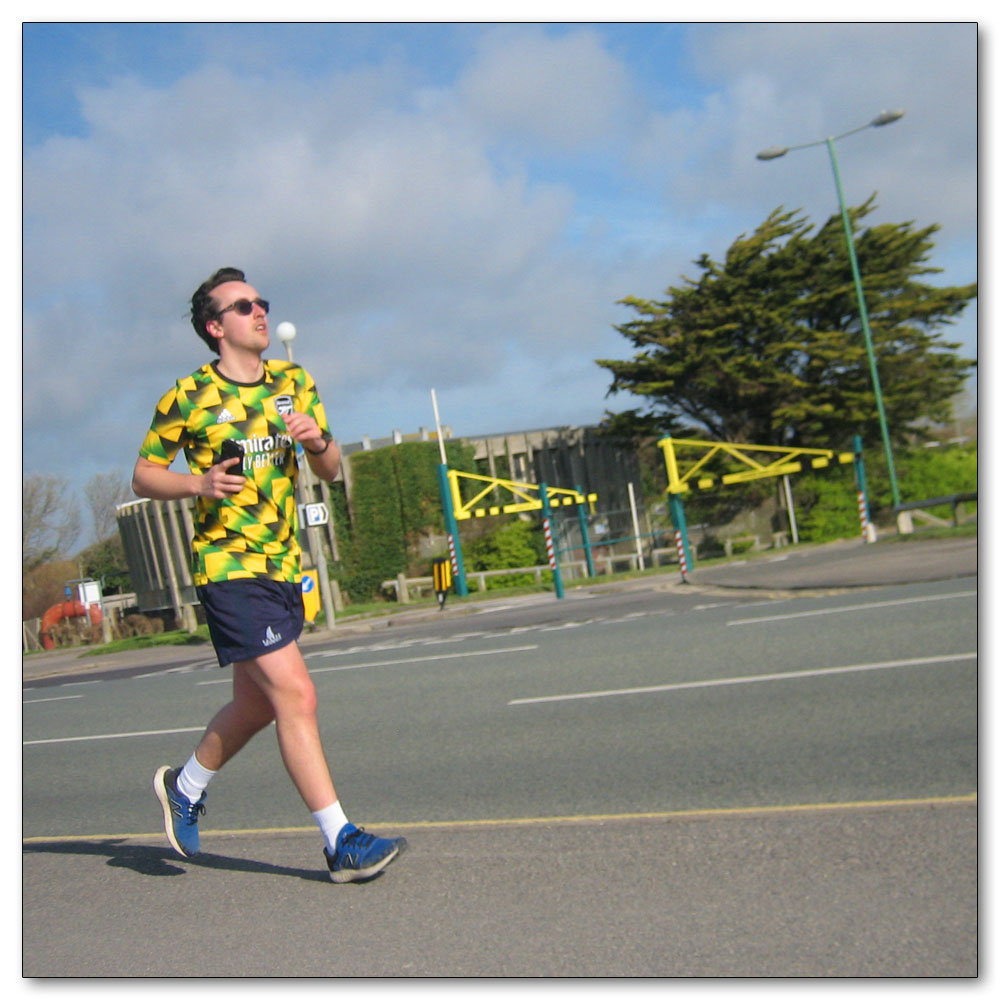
{"x": 849, "y": 564}
{"x": 836, "y": 564}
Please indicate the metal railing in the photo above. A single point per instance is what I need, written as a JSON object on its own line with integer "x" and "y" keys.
{"x": 404, "y": 588}
{"x": 952, "y": 499}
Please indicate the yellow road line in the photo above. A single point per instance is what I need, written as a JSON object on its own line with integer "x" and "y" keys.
{"x": 946, "y": 800}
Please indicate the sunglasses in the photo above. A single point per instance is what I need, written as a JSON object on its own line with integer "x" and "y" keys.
{"x": 244, "y": 306}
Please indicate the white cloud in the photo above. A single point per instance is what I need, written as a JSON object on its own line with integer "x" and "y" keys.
{"x": 560, "y": 93}
{"x": 471, "y": 234}
{"x": 385, "y": 233}
{"x": 799, "y": 83}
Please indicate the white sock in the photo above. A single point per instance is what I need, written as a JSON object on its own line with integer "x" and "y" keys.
{"x": 331, "y": 821}
{"x": 194, "y": 779}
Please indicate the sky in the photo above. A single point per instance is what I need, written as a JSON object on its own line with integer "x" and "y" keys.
{"x": 442, "y": 205}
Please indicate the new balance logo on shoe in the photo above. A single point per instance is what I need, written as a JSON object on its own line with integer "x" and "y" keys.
{"x": 271, "y": 637}
{"x": 360, "y": 855}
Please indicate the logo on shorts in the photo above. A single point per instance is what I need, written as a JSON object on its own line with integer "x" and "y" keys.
{"x": 271, "y": 637}
{"x": 284, "y": 405}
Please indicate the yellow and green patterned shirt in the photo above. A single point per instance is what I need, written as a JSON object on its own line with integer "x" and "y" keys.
{"x": 255, "y": 532}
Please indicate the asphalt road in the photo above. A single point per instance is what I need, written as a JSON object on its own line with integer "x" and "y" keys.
{"x": 649, "y": 780}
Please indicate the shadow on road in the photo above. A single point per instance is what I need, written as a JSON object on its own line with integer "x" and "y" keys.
{"x": 162, "y": 861}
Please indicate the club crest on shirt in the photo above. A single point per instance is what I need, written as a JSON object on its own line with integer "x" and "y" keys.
{"x": 284, "y": 405}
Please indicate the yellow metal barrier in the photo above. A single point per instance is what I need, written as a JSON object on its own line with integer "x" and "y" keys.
{"x": 783, "y": 461}
{"x": 527, "y": 494}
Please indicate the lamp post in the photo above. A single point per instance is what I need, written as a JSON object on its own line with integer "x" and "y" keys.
{"x": 885, "y": 118}
{"x": 286, "y": 334}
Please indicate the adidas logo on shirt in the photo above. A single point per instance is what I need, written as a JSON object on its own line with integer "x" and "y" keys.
{"x": 271, "y": 637}
{"x": 225, "y": 417}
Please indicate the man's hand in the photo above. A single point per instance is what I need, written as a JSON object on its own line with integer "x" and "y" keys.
{"x": 304, "y": 429}
{"x": 222, "y": 480}
{"x": 323, "y": 455}
{"x": 150, "y": 479}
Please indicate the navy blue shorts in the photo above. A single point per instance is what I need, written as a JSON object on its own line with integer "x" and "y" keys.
{"x": 250, "y": 617}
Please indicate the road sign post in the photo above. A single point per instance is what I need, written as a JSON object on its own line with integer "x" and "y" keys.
{"x": 442, "y": 580}
{"x": 310, "y": 594}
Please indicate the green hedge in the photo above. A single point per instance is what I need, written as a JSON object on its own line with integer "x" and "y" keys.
{"x": 826, "y": 502}
{"x": 395, "y": 499}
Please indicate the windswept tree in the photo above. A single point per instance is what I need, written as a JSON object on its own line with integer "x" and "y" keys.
{"x": 50, "y": 519}
{"x": 767, "y": 347}
{"x": 103, "y": 492}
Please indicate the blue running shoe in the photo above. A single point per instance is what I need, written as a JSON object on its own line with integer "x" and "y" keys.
{"x": 180, "y": 816}
{"x": 361, "y": 855}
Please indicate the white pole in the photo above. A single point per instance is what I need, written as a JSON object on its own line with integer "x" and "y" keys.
{"x": 286, "y": 334}
{"x": 791, "y": 511}
{"x": 635, "y": 526}
{"x": 437, "y": 424}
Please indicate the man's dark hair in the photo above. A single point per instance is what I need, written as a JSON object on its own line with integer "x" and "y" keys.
{"x": 203, "y": 307}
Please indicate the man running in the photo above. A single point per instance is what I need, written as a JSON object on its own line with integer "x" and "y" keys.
{"x": 247, "y": 560}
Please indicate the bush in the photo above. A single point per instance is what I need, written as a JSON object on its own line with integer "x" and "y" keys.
{"x": 137, "y": 624}
{"x": 826, "y": 505}
{"x": 922, "y": 473}
{"x": 510, "y": 546}
{"x": 44, "y": 586}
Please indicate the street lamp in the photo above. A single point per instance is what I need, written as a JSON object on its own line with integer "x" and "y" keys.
{"x": 885, "y": 118}
{"x": 286, "y": 334}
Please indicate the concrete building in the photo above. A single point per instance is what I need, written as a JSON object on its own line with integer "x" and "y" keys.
{"x": 569, "y": 457}
{"x": 156, "y": 534}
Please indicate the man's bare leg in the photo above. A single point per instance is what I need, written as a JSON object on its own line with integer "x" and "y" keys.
{"x": 277, "y": 687}
{"x": 233, "y": 725}
{"x": 181, "y": 791}
{"x": 282, "y": 680}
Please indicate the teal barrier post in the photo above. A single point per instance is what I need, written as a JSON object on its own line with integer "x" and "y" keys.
{"x": 451, "y": 526}
{"x": 585, "y": 535}
{"x": 864, "y": 509}
{"x": 680, "y": 533}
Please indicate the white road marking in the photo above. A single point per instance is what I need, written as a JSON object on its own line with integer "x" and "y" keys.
{"x": 753, "y": 679}
{"x": 114, "y": 736}
{"x": 408, "y": 659}
{"x": 852, "y": 607}
{"x": 421, "y": 659}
